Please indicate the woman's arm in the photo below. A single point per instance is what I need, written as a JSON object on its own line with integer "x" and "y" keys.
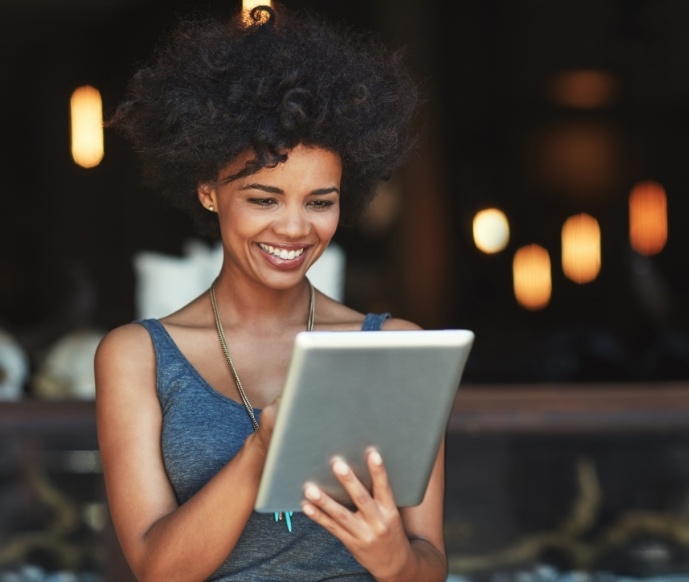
{"x": 161, "y": 539}
{"x": 424, "y": 526}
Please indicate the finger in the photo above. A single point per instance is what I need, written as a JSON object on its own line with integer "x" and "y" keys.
{"x": 359, "y": 494}
{"x": 328, "y": 523}
{"x": 266, "y": 424}
{"x": 270, "y": 412}
{"x": 380, "y": 483}
{"x": 268, "y": 416}
{"x": 325, "y": 511}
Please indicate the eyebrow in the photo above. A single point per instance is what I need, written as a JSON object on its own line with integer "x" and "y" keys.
{"x": 275, "y": 190}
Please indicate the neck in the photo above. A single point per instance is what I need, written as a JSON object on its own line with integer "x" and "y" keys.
{"x": 258, "y": 306}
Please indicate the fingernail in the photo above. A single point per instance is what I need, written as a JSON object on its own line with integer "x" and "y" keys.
{"x": 312, "y": 492}
{"x": 341, "y": 468}
{"x": 375, "y": 457}
{"x": 308, "y": 509}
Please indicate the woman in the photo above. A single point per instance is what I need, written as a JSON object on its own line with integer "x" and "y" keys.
{"x": 268, "y": 131}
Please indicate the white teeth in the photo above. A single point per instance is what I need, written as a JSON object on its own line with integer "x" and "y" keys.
{"x": 281, "y": 253}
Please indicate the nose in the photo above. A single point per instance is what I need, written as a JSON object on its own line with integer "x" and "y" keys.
{"x": 292, "y": 222}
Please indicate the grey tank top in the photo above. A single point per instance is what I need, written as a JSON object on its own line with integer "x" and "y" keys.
{"x": 202, "y": 430}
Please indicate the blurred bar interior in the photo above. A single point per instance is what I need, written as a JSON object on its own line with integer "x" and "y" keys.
{"x": 545, "y": 209}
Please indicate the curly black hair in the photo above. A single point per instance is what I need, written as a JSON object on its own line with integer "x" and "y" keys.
{"x": 215, "y": 89}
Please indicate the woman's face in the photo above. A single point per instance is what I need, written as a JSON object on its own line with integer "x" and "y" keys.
{"x": 277, "y": 222}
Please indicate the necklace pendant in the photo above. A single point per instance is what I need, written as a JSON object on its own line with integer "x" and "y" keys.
{"x": 288, "y": 518}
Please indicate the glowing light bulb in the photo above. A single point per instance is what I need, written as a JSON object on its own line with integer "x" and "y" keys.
{"x": 86, "y": 108}
{"x": 648, "y": 218}
{"x": 248, "y": 6}
{"x": 581, "y": 248}
{"x": 491, "y": 230}
{"x": 532, "y": 277}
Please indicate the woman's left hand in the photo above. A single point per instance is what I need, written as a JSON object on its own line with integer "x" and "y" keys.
{"x": 373, "y": 530}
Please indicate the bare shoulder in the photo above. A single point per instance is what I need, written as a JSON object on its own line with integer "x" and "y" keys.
{"x": 123, "y": 342}
{"x": 335, "y": 315}
{"x": 124, "y": 359}
{"x": 125, "y": 370}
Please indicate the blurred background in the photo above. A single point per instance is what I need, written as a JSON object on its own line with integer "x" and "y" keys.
{"x": 543, "y": 111}
{"x": 545, "y": 208}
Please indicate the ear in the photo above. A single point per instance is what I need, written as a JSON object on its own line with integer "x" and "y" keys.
{"x": 207, "y": 195}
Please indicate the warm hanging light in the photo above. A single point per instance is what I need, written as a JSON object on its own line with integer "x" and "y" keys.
{"x": 87, "y": 126}
{"x": 249, "y": 5}
{"x": 491, "y": 230}
{"x": 581, "y": 248}
{"x": 531, "y": 277}
{"x": 648, "y": 218}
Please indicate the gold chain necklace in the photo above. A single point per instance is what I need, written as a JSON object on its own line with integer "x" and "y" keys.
{"x": 245, "y": 401}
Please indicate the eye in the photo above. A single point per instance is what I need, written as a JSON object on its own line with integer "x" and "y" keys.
{"x": 263, "y": 202}
{"x": 319, "y": 204}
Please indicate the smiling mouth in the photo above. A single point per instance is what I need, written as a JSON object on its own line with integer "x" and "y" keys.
{"x": 281, "y": 253}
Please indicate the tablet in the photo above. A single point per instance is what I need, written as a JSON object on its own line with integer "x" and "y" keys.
{"x": 348, "y": 390}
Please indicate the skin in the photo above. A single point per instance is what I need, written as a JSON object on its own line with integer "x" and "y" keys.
{"x": 263, "y": 303}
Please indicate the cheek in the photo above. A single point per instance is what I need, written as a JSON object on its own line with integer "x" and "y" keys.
{"x": 237, "y": 228}
{"x": 240, "y": 222}
{"x": 328, "y": 225}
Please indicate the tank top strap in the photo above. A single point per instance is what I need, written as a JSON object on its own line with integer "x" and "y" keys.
{"x": 374, "y": 321}
{"x": 163, "y": 344}
{"x": 171, "y": 363}
{"x": 156, "y": 329}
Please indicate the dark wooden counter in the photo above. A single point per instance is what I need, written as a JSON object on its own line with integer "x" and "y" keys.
{"x": 573, "y": 408}
{"x": 478, "y": 408}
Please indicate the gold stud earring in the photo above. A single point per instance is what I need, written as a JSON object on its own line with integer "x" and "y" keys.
{"x": 211, "y": 208}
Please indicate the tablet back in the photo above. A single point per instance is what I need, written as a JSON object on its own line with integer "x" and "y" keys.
{"x": 346, "y": 391}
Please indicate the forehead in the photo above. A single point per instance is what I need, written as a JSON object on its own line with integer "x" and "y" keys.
{"x": 303, "y": 161}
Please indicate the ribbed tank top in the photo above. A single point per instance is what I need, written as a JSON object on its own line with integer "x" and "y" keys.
{"x": 202, "y": 430}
